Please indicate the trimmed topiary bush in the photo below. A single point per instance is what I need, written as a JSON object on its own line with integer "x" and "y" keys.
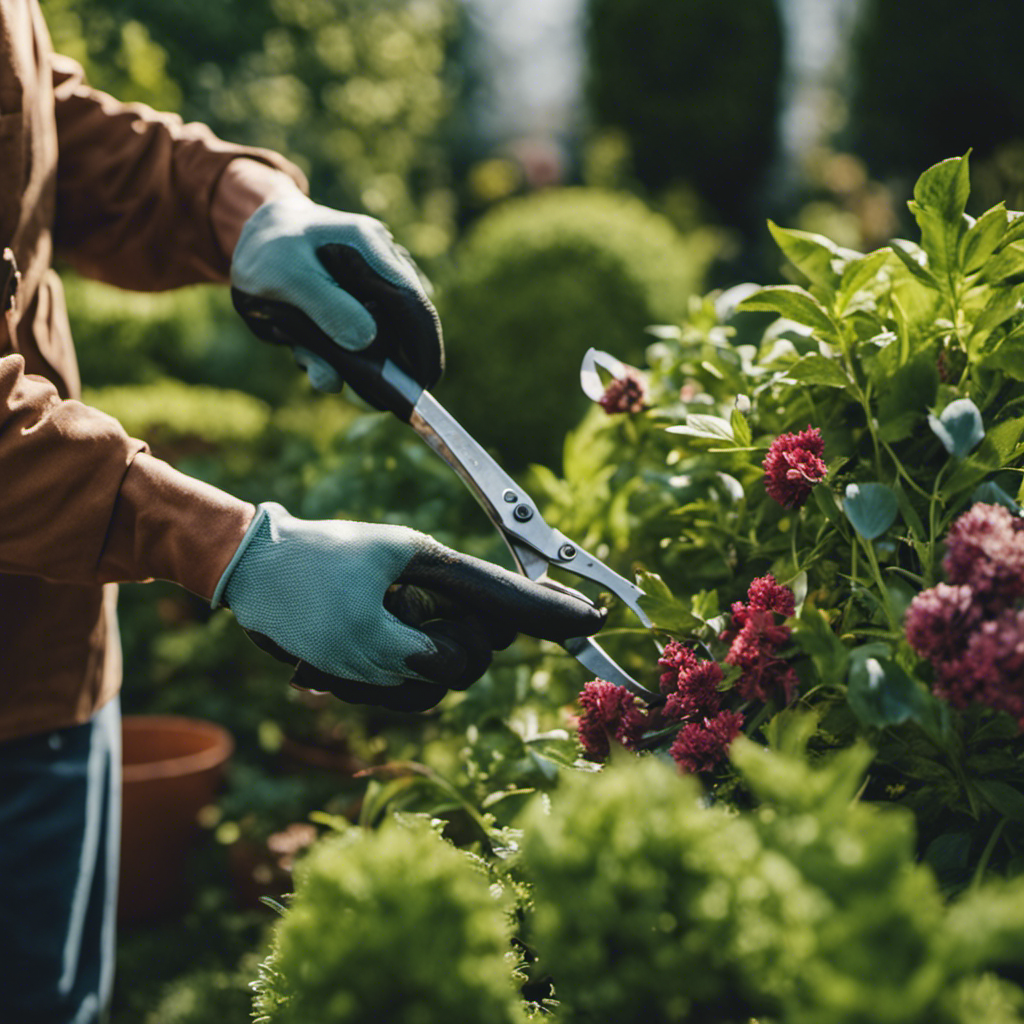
{"x": 541, "y": 279}
{"x": 394, "y": 925}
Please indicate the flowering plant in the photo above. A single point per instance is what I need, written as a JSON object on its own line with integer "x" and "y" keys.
{"x": 821, "y": 506}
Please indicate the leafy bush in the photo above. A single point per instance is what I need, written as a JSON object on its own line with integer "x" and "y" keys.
{"x": 828, "y": 517}
{"x": 650, "y": 905}
{"x": 694, "y": 88}
{"x": 538, "y": 281}
{"x": 393, "y": 925}
{"x": 354, "y": 90}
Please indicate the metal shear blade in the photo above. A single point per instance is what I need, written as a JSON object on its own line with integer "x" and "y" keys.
{"x": 535, "y": 545}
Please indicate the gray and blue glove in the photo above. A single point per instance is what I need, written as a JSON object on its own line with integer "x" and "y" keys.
{"x": 325, "y": 282}
{"x": 384, "y": 614}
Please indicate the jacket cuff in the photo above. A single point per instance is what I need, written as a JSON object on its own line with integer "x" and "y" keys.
{"x": 170, "y": 526}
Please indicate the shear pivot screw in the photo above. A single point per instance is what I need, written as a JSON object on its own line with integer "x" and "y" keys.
{"x": 522, "y": 513}
{"x": 567, "y": 552}
{"x": 510, "y": 496}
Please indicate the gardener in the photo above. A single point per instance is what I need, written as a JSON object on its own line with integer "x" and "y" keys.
{"x": 139, "y": 200}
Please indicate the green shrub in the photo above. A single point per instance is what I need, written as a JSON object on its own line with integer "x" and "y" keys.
{"x": 393, "y": 926}
{"x": 541, "y": 279}
{"x": 650, "y": 905}
{"x": 203, "y": 997}
{"x": 694, "y": 87}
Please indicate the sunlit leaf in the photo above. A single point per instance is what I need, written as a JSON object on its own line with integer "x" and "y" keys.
{"x": 793, "y": 303}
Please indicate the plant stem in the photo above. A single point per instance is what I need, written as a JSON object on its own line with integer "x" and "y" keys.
{"x": 877, "y": 573}
{"x": 986, "y": 854}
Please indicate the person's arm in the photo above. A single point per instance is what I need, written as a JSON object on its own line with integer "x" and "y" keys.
{"x": 82, "y": 502}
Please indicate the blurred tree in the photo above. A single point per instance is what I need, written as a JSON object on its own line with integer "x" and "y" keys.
{"x": 934, "y": 78}
{"x": 355, "y": 91}
{"x": 694, "y": 89}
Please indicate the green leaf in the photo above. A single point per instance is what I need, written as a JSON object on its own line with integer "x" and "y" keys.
{"x": 958, "y": 427}
{"x": 815, "y": 368}
{"x": 1009, "y": 263}
{"x": 857, "y": 274}
{"x": 816, "y": 638}
{"x": 740, "y": 429}
{"x": 811, "y": 254}
{"x": 982, "y": 237}
{"x": 990, "y": 493}
{"x": 664, "y": 609}
{"x": 793, "y": 303}
{"x": 944, "y": 188}
{"x": 700, "y": 424}
{"x": 905, "y": 397}
{"x": 871, "y": 508}
{"x": 1005, "y": 438}
{"x": 879, "y": 691}
{"x": 1004, "y": 798}
{"x": 1008, "y": 356}
{"x": 914, "y": 258}
{"x": 940, "y": 196}
{"x": 1003, "y": 304}
{"x": 829, "y": 507}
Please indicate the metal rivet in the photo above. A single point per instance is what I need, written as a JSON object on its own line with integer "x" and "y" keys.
{"x": 567, "y": 552}
{"x": 510, "y": 496}
{"x": 522, "y": 513}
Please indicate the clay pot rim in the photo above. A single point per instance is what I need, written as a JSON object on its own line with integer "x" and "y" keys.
{"x": 222, "y": 745}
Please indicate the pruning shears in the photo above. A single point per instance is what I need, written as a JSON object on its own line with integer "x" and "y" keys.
{"x": 535, "y": 545}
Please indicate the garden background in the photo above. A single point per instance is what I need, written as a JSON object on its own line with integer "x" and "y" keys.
{"x": 627, "y": 172}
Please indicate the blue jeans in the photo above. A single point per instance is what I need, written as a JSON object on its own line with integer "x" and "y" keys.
{"x": 60, "y": 814}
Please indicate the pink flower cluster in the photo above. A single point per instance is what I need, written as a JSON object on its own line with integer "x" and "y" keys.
{"x": 693, "y": 700}
{"x": 627, "y": 393}
{"x": 971, "y": 629}
{"x": 755, "y": 638}
{"x": 609, "y": 712}
{"x": 793, "y": 466}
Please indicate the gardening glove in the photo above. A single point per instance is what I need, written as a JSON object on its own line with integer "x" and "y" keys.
{"x": 384, "y": 614}
{"x": 319, "y": 280}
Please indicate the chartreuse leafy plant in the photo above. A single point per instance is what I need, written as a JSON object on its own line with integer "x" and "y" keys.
{"x": 650, "y": 905}
{"x": 818, "y": 483}
{"x": 392, "y": 925}
{"x": 641, "y": 902}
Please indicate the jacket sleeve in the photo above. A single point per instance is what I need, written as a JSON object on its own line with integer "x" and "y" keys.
{"x": 135, "y": 187}
{"x": 82, "y": 502}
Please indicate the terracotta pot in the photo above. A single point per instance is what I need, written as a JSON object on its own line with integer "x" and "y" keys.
{"x": 172, "y": 768}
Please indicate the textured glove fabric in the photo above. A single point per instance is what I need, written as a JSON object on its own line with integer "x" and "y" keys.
{"x": 317, "y": 590}
{"x": 384, "y": 614}
{"x": 288, "y": 252}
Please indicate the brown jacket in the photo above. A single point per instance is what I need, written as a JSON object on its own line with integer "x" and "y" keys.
{"x": 125, "y": 195}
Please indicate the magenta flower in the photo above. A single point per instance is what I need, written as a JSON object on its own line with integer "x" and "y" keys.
{"x": 939, "y": 621}
{"x": 700, "y": 746}
{"x": 991, "y": 670}
{"x": 985, "y": 550}
{"x": 626, "y": 393}
{"x": 677, "y": 659}
{"x": 793, "y": 466}
{"x": 755, "y": 637}
{"x": 697, "y": 694}
{"x": 608, "y": 711}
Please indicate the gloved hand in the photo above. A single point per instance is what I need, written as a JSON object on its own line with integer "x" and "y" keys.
{"x": 314, "y": 278}
{"x": 384, "y": 614}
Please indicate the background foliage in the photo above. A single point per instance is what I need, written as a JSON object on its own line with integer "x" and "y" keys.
{"x": 682, "y": 127}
